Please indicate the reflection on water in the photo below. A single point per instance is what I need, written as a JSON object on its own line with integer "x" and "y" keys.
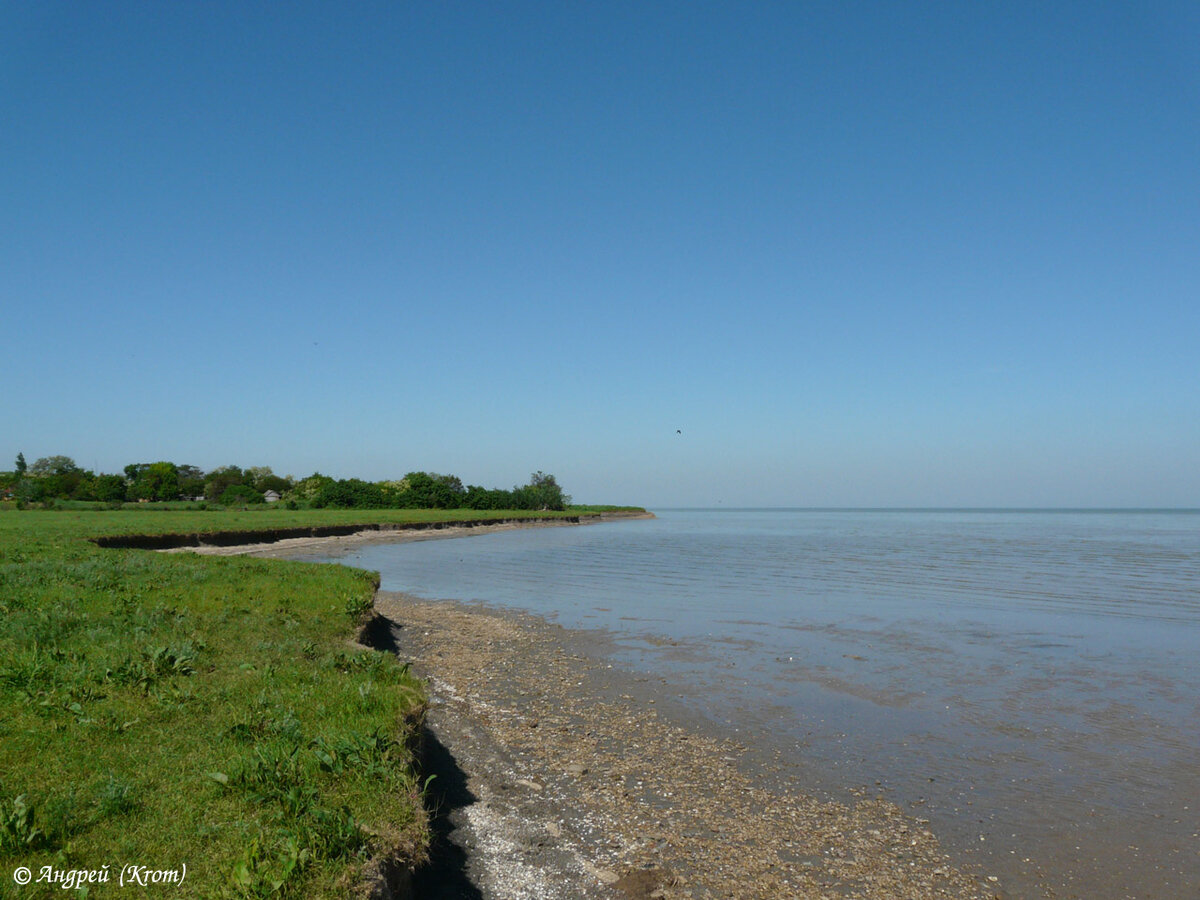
{"x": 1028, "y": 680}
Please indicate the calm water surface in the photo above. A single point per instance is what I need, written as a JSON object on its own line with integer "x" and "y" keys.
{"x": 1028, "y": 681}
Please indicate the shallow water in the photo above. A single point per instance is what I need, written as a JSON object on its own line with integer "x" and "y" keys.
{"x": 1028, "y": 681}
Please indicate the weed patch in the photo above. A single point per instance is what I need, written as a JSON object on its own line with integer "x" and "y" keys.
{"x": 18, "y": 829}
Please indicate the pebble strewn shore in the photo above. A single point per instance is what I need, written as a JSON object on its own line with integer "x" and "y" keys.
{"x": 583, "y": 780}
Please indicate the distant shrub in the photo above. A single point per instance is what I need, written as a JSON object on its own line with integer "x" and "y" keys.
{"x": 308, "y": 488}
{"x": 423, "y": 490}
{"x": 481, "y": 498}
{"x": 109, "y": 487}
{"x": 349, "y": 493}
{"x": 240, "y": 495}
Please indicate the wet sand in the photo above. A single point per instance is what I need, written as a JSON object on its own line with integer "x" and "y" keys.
{"x": 570, "y": 777}
{"x": 289, "y": 548}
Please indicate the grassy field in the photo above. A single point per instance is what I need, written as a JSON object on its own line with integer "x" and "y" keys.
{"x": 170, "y": 709}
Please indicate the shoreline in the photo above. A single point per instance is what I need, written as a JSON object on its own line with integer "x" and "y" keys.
{"x": 571, "y": 776}
{"x": 560, "y": 774}
{"x": 289, "y": 547}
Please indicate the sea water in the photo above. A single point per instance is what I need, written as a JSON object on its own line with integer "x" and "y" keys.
{"x": 1029, "y": 681}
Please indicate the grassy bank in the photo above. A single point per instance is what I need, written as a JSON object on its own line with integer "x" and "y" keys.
{"x": 163, "y": 710}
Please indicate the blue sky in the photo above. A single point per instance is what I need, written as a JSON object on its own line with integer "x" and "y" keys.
{"x": 857, "y": 253}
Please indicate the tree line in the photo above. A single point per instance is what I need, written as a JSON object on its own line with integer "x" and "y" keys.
{"x": 55, "y": 478}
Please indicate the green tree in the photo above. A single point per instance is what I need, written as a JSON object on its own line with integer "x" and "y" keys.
{"x": 191, "y": 487}
{"x": 85, "y": 486}
{"x": 109, "y": 487}
{"x": 221, "y": 479}
{"x": 542, "y": 492}
{"x": 75, "y": 484}
{"x": 274, "y": 483}
{"x": 308, "y": 488}
{"x": 349, "y": 493}
{"x": 29, "y": 490}
{"x": 453, "y": 482}
{"x": 477, "y": 497}
{"x": 191, "y": 481}
{"x": 21, "y": 466}
{"x": 156, "y": 481}
{"x": 255, "y": 474}
{"x": 53, "y": 465}
{"x": 426, "y": 491}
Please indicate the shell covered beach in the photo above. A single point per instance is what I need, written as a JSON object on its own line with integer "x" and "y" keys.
{"x": 563, "y": 776}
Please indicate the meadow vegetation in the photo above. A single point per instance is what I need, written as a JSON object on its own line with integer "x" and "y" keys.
{"x": 161, "y": 709}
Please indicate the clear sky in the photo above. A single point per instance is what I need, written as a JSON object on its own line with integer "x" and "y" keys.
{"x": 856, "y": 253}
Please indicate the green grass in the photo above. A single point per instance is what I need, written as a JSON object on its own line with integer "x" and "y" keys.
{"x": 584, "y": 509}
{"x": 161, "y": 709}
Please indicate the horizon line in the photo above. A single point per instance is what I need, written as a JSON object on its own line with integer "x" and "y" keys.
{"x": 721, "y": 508}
